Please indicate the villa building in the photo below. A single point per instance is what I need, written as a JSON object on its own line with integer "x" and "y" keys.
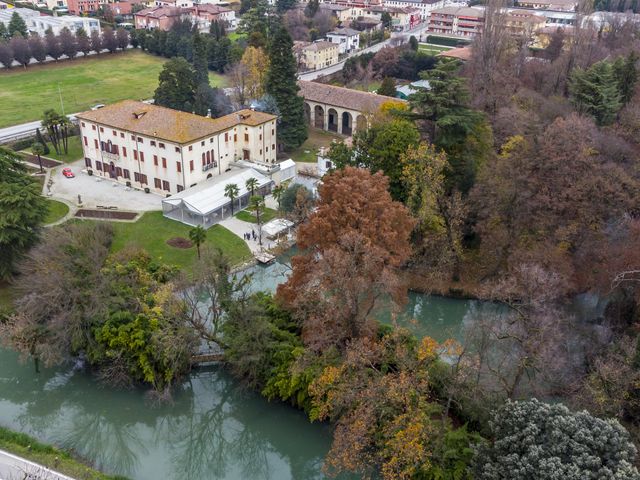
{"x": 166, "y": 151}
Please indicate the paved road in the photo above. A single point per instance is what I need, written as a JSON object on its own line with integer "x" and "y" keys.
{"x": 396, "y": 39}
{"x": 13, "y": 467}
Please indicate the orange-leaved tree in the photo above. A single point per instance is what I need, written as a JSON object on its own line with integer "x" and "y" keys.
{"x": 351, "y": 248}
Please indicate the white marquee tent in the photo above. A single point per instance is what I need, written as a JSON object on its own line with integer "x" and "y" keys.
{"x": 206, "y": 204}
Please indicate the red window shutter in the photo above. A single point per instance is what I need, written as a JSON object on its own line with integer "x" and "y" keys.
{"x": 86, "y": 142}
{"x": 135, "y": 154}
{"x": 191, "y": 165}
{"x": 178, "y": 167}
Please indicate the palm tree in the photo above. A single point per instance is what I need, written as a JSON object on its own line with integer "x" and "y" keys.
{"x": 256, "y": 204}
{"x": 38, "y": 149}
{"x": 198, "y": 235}
{"x": 279, "y": 191}
{"x": 231, "y": 190}
{"x": 251, "y": 184}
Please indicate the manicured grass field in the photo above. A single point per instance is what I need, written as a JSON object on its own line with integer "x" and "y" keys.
{"x": 246, "y": 216}
{"x": 57, "y": 210}
{"x": 74, "y": 151}
{"x": 52, "y": 457}
{"x": 432, "y": 49}
{"x": 26, "y": 93}
{"x": 308, "y": 151}
{"x": 152, "y": 231}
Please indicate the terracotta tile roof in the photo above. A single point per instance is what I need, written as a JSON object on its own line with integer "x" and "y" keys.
{"x": 347, "y": 32}
{"x": 158, "y": 12}
{"x": 167, "y": 124}
{"x": 343, "y": 97}
{"x": 319, "y": 46}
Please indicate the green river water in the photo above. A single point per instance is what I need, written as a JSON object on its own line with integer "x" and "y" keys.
{"x": 214, "y": 429}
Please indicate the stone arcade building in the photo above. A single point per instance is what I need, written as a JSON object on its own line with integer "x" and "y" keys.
{"x": 338, "y": 109}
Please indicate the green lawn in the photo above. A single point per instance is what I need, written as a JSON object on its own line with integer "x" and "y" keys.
{"x": 246, "y": 216}
{"x": 235, "y": 36}
{"x": 152, "y": 231}
{"x": 74, "y": 151}
{"x": 432, "y": 49}
{"x": 52, "y": 457}
{"x": 57, "y": 210}
{"x": 369, "y": 87}
{"x": 308, "y": 151}
{"x": 82, "y": 83}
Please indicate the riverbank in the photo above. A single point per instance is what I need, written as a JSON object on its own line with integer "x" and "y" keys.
{"x": 48, "y": 456}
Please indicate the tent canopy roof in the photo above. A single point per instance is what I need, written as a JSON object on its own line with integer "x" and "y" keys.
{"x": 208, "y": 196}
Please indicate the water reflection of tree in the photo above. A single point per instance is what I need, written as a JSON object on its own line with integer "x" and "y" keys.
{"x": 207, "y": 439}
{"x": 111, "y": 446}
{"x": 223, "y": 430}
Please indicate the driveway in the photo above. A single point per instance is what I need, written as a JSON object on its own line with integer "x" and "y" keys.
{"x": 96, "y": 191}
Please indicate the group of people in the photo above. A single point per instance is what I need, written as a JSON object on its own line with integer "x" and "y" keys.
{"x": 251, "y": 234}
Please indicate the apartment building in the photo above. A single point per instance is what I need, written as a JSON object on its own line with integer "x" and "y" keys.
{"x": 204, "y": 15}
{"x": 456, "y": 21}
{"x": 166, "y": 151}
{"x": 319, "y": 55}
{"x": 161, "y": 18}
{"x": 37, "y": 23}
{"x": 347, "y": 39}
{"x": 424, "y": 6}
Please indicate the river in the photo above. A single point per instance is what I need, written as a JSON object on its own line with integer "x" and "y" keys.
{"x": 214, "y": 429}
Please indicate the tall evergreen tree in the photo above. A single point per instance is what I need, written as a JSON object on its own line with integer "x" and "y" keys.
{"x": 22, "y": 210}
{"x": 176, "y": 87}
{"x": 17, "y": 25}
{"x": 109, "y": 40}
{"x": 281, "y": 84}
{"x": 595, "y": 92}
{"x": 68, "y": 43}
{"x": 52, "y": 42}
{"x": 200, "y": 66}
{"x": 626, "y": 73}
{"x": 4, "y": 33}
{"x": 21, "y": 52}
{"x": 388, "y": 87}
{"x": 312, "y": 8}
{"x": 83, "y": 41}
{"x": 6, "y": 54}
{"x": 37, "y": 48}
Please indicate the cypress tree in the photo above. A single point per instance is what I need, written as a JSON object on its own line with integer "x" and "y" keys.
{"x": 17, "y": 25}
{"x": 200, "y": 60}
{"x": 3, "y": 31}
{"x": 281, "y": 84}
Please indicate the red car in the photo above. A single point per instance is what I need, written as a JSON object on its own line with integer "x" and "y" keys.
{"x": 67, "y": 172}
